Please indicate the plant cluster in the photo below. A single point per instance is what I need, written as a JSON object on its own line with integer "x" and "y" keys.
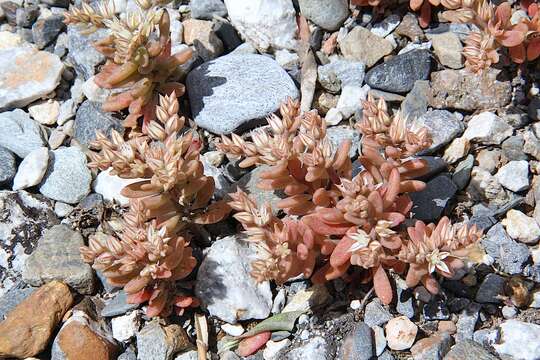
{"x": 350, "y": 225}
{"x": 139, "y": 64}
{"x": 151, "y": 251}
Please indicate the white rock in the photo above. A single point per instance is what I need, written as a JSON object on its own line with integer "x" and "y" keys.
{"x": 307, "y": 299}
{"x": 32, "y": 169}
{"x": 519, "y": 340}
{"x": 355, "y": 304}
{"x": 380, "y": 339}
{"x": 287, "y": 59}
{"x": 457, "y": 149}
{"x": 386, "y": 26}
{"x": 265, "y": 23}
{"x": 62, "y": 209}
{"x": 126, "y": 326}
{"x": 351, "y": 98}
{"x": 274, "y": 347}
{"x": 487, "y": 128}
{"x": 93, "y": 92}
{"x": 68, "y": 109}
{"x": 233, "y": 330}
{"x": 110, "y": 186}
{"x": 514, "y": 175}
{"x": 10, "y": 40}
{"x": 45, "y": 112}
{"x": 535, "y": 303}
{"x": 521, "y": 227}
{"x": 400, "y": 333}
{"x": 414, "y": 46}
{"x": 333, "y": 117}
{"x": 57, "y": 138}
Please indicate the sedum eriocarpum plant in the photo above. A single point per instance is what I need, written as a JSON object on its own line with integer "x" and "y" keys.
{"x": 350, "y": 225}
{"x": 139, "y": 64}
{"x": 151, "y": 251}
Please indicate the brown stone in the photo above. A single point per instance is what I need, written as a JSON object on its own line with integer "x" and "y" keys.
{"x": 28, "y": 328}
{"x": 362, "y": 45}
{"x": 199, "y": 33}
{"x": 78, "y": 341}
{"x": 434, "y": 347}
{"x": 409, "y": 27}
{"x": 447, "y": 326}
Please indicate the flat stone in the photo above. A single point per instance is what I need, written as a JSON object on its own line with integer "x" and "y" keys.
{"x": 430, "y": 203}
{"x": 68, "y": 177}
{"x": 57, "y": 257}
{"x": 400, "y": 72}
{"x": 416, "y": 101}
{"x": 409, "y": 27}
{"x": 519, "y": 340}
{"x": 362, "y": 45}
{"x": 118, "y": 305}
{"x": 434, "y": 347}
{"x": 487, "y": 128}
{"x": 509, "y": 255}
{"x": 462, "y": 173}
{"x": 339, "y": 73}
{"x": 156, "y": 341}
{"x": 46, "y": 30}
{"x": 32, "y": 169}
{"x": 448, "y": 49}
{"x": 225, "y": 286}
{"x": 327, "y": 14}
{"x": 514, "y": 175}
{"x": 385, "y": 27}
{"x": 376, "y": 315}
{"x": 19, "y": 133}
{"x": 8, "y": 169}
{"x": 45, "y": 112}
{"x": 490, "y": 290}
{"x": 90, "y": 118}
{"x": 467, "y": 319}
{"x": 359, "y": 343}
{"x": 250, "y": 86}
{"x": 125, "y": 327}
{"x": 206, "y": 9}
{"x": 463, "y": 90}
{"x": 469, "y": 349}
{"x": 26, "y": 75}
{"x": 82, "y": 55}
{"x": 442, "y": 125}
{"x": 485, "y": 187}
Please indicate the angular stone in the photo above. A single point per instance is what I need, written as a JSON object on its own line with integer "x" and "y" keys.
{"x": 250, "y": 87}
{"x": 491, "y": 289}
{"x": 362, "y": 45}
{"x": 448, "y": 49}
{"x": 400, "y": 333}
{"x": 199, "y": 33}
{"x": 376, "y": 315}
{"x": 430, "y": 203}
{"x": 359, "y": 344}
{"x": 46, "y": 30}
{"x": 400, "y": 72}
{"x": 328, "y": 14}
{"x": 385, "y": 27}
{"x": 118, "y": 305}
{"x": 206, "y": 9}
{"x": 521, "y": 227}
{"x": 416, "y": 101}
{"x": 156, "y": 341}
{"x": 487, "y": 128}
{"x": 462, "y": 173}
{"x": 8, "y": 169}
{"x": 32, "y": 169}
{"x": 509, "y": 255}
{"x": 339, "y": 73}
{"x": 442, "y": 125}
{"x": 519, "y": 340}
{"x": 19, "y": 133}
{"x": 434, "y": 347}
{"x": 90, "y": 118}
{"x": 469, "y": 349}
{"x": 82, "y": 55}
{"x": 514, "y": 175}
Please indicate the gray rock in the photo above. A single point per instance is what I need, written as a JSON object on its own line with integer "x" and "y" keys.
{"x": 435, "y": 165}
{"x": 404, "y": 302}
{"x": 8, "y": 169}
{"x": 401, "y": 72}
{"x": 386, "y": 355}
{"x": 90, "y": 118}
{"x": 430, "y": 203}
{"x": 27, "y": 75}
{"x": 443, "y": 126}
{"x": 19, "y": 133}
{"x": 514, "y": 116}
{"x": 487, "y": 128}
{"x": 249, "y": 182}
{"x": 487, "y": 337}
{"x": 359, "y": 344}
{"x": 82, "y": 55}
{"x": 46, "y": 30}
{"x": 156, "y": 341}
{"x": 250, "y": 87}
{"x": 228, "y": 35}
{"x": 519, "y": 340}
{"x": 512, "y": 148}
{"x": 316, "y": 348}
{"x": 491, "y": 288}
{"x": 206, "y": 9}
{"x": 9, "y": 9}
{"x": 362, "y": 45}
{"x": 57, "y": 257}
{"x": 11, "y": 299}
{"x": 24, "y": 218}
{"x": 338, "y": 134}
{"x": 129, "y": 354}
{"x": 508, "y": 254}
{"x": 25, "y": 17}
{"x": 467, "y": 322}
{"x": 225, "y": 286}
{"x": 514, "y": 175}
{"x": 436, "y": 309}
{"x": 534, "y": 108}
{"x": 417, "y": 100}
{"x": 339, "y": 73}
{"x": 68, "y": 177}
{"x": 328, "y": 14}
{"x": 376, "y": 315}
{"x": 462, "y": 173}
{"x": 118, "y": 305}
{"x": 386, "y": 26}
{"x": 469, "y": 349}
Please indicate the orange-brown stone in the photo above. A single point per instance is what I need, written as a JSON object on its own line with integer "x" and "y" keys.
{"x": 78, "y": 342}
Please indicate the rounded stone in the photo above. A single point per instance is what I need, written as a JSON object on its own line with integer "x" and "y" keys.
{"x": 328, "y": 14}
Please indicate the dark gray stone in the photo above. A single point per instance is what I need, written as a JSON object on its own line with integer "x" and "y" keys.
{"x": 359, "y": 344}
{"x": 509, "y": 255}
{"x": 250, "y": 87}
{"x": 401, "y": 72}
{"x": 328, "y": 14}
{"x": 534, "y": 108}
{"x": 206, "y": 9}
{"x": 118, "y": 305}
{"x": 462, "y": 173}
{"x": 90, "y": 118}
{"x": 56, "y": 3}
{"x": 8, "y": 169}
{"x": 513, "y": 148}
{"x": 467, "y": 322}
{"x": 435, "y": 165}
{"x": 82, "y": 55}
{"x": 10, "y": 11}
{"x": 442, "y": 125}
{"x": 11, "y": 299}
{"x": 404, "y": 302}
{"x": 376, "y": 314}
{"x": 228, "y": 35}
{"x": 19, "y": 133}
{"x": 436, "y": 309}
{"x": 417, "y": 100}
{"x": 491, "y": 289}
{"x": 430, "y": 203}
{"x": 26, "y": 16}
{"x": 46, "y": 30}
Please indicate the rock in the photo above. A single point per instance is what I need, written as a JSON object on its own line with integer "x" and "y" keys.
{"x": 386, "y": 26}
{"x": 442, "y": 125}
{"x": 509, "y": 255}
{"x": 10, "y": 40}
{"x": 338, "y": 134}
{"x": 32, "y": 169}
{"x": 57, "y": 257}
{"x": 467, "y": 320}
{"x": 487, "y": 128}
{"x": 192, "y": 355}
{"x": 61, "y": 209}
{"x": 9, "y": 10}
{"x": 485, "y": 187}
{"x": 362, "y": 45}
{"x": 272, "y": 349}
{"x": 409, "y": 27}
{"x": 519, "y": 340}
{"x": 316, "y": 348}
{"x": 265, "y": 23}
{"x": 521, "y": 227}
{"x": 415, "y": 46}
{"x": 447, "y": 326}
{"x": 249, "y": 86}
{"x": 448, "y": 49}
{"x": 514, "y": 176}
{"x": 464, "y": 90}
{"x": 90, "y": 118}
{"x": 339, "y": 73}
{"x": 233, "y": 330}
{"x": 46, "y": 30}
{"x": 27, "y": 75}
{"x": 225, "y": 286}
{"x": 118, "y": 305}
{"x": 457, "y": 149}
{"x": 350, "y": 100}
{"x": 376, "y": 315}
{"x": 287, "y": 59}
{"x": 19, "y": 133}
{"x": 67, "y": 178}
{"x": 45, "y": 112}
{"x": 11, "y": 299}
{"x": 110, "y": 186}
{"x": 533, "y": 109}
{"x": 359, "y": 343}
{"x": 25, "y": 17}
{"x": 462, "y": 173}
{"x": 430, "y": 203}
{"x": 400, "y": 72}
{"x": 532, "y": 145}
{"x": 512, "y": 148}
{"x": 308, "y": 299}
{"x": 156, "y": 341}
{"x": 24, "y": 218}
{"x": 434, "y": 347}
{"x": 327, "y": 14}
{"x": 8, "y": 169}
{"x": 514, "y": 116}
{"x": 380, "y": 340}
{"x": 509, "y": 312}
{"x": 468, "y": 349}
{"x": 82, "y": 54}
{"x": 416, "y": 101}
{"x": 199, "y": 33}
{"x": 229, "y": 37}
{"x": 28, "y": 328}
{"x": 83, "y": 338}
{"x": 400, "y": 333}
{"x": 206, "y": 9}
{"x": 489, "y": 159}
{"x": 404, "y": 300}
{"x": 435, "y": 309}
{"x": 248, "y": 183}
{"x": 490, "y": 289}
{"x": 125, "y": 327}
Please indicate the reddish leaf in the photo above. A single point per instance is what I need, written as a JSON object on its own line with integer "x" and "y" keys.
{"x": 251, "y": 345}
{"x": 382, "y": 286}
{"x": 213, "y": 214}
{"x": 341, "y": 253}
{"x": 533, "y": 49}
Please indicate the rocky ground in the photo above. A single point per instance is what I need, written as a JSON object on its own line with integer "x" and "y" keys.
{"x": 484, "y": 166}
